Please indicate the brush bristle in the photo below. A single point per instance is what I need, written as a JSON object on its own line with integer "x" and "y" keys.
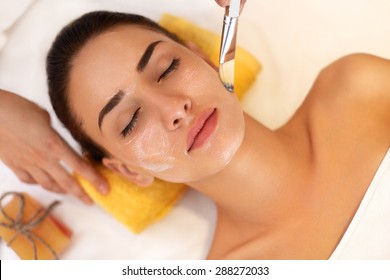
{"x": 226, "y": 74}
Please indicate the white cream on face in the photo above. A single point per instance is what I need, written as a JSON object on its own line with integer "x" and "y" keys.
{"x": 152, "y": 150}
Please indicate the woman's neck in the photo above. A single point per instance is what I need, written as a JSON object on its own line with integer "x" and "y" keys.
{"x": 266, "y": 160}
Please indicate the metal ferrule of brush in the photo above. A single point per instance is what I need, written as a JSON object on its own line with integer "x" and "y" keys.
{"x": 228, "y": 43}
{"x": 227, "y": 53}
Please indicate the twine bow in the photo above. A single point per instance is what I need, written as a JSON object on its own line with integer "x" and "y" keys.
{"x": 25, "y": 228}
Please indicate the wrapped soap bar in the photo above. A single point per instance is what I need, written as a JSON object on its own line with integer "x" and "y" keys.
{"x": 29, "y": 229}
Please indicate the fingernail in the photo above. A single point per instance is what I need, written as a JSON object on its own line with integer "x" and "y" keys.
{"x": 104, "y": 188}
{"x": 87, "y": 200}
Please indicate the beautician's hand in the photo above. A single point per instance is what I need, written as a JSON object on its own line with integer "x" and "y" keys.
{"x": 34, "y": 151}
{"x": 224, "y": 3}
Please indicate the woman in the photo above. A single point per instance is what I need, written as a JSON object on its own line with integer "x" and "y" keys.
{"x": 146, "y": 106}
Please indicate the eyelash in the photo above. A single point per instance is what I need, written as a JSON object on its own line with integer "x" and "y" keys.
{"x": 172, "y": 67}
{"x": 131, "y": 124}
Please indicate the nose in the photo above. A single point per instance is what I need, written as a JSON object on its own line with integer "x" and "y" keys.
{"x": 174, "y": 110}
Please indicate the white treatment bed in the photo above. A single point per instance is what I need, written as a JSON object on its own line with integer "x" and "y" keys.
{"x": 292, "y": 39}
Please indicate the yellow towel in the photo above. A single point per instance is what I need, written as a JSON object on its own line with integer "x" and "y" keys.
{"x": 138, "y": 207}
{"x": 247, "y": 67}
{"x": 134, "y": 206}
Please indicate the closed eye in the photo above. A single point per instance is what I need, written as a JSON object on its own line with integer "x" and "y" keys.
{"x": 172, "y": 67}
{"x": 131, "y": 125}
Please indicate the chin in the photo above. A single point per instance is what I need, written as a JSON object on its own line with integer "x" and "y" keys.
{"x": 197, "y": 170}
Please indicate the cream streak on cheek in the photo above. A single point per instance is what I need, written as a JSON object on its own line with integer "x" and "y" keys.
{"x": 152, "y": 150}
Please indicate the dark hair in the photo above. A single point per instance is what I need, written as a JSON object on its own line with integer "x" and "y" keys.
{"x": 65, "y": 47}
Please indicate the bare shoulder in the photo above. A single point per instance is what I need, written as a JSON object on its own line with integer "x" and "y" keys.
{"x": 362, "y": 75}
{"x": 356, "y": 84}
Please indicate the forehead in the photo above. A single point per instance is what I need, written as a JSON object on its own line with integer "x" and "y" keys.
{"x": 105, "y": 59}
{"x": 114, "y": 45}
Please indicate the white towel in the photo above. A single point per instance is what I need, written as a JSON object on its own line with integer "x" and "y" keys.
{"x": 10, "y": 12}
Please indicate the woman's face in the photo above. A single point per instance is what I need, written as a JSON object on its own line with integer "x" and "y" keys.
{"x": 155, "y": 105}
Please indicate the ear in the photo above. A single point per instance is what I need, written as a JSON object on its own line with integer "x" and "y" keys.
{"x": 197, "y": 50}
{"x": 139, "y": 178}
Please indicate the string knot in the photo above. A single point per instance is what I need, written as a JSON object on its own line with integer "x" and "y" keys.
{"x": 25, "y": 228}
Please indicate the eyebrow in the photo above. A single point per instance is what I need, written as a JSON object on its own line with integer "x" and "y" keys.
{"x": 117, "y": 98}
{"x": 109, "y": 106}
{"x": 143, "y": 62}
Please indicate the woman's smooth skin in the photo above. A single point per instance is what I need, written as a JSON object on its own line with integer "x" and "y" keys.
{"x": 284, "y": 194}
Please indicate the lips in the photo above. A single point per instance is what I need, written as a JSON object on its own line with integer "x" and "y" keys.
{"x": 202, "y": 129}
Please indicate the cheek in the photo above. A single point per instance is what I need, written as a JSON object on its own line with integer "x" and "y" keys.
{"x": 198, "y": 77}
{"x": 231, "y": 134}
{"x": 153, "y": 150}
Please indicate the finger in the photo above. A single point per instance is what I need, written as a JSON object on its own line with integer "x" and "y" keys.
{"x": 83, "y": 168}
{"x": 223, "y": 3}
{"x": 242, "y": 5}
{"x": 24, "y": 176}
{"x": 68, "y": 182}
{"x": 45, "y": 180}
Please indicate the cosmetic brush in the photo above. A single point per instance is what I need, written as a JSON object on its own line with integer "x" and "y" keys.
{"x": 228, "y": 44}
